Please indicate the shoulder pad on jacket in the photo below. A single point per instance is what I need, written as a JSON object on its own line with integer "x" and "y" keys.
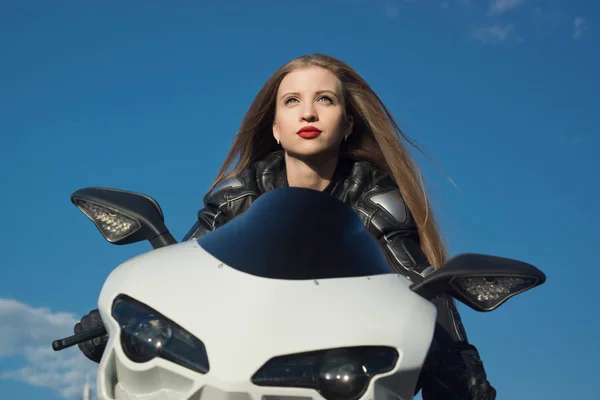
{"x": 229, "y": 183}
{"x": 392, "y": 202}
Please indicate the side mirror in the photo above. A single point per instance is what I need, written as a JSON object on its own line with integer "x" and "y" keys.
{"x": 124, "y": 217}
{"x": 481, "y": 282}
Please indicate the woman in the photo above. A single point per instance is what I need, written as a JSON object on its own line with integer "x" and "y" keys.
{"x": 317, "y": 124}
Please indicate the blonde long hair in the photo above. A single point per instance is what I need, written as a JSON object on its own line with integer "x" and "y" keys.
{"x": 375, "y": 139}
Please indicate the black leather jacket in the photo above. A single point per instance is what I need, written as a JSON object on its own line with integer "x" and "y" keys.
{"x": 453, "y": 369}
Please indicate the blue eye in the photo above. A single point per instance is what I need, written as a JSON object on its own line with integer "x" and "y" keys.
{"x": 293, "y": 99}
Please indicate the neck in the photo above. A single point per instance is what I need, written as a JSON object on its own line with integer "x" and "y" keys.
{"x": 311, "y": 174}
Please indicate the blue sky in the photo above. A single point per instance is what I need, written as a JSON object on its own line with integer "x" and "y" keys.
{"x": 147, "y": 96}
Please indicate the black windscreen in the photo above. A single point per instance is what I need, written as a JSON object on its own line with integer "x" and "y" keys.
{"x": 294, "y": 233}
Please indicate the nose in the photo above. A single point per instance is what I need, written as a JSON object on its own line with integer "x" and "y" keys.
{"x": 309, "y": 113}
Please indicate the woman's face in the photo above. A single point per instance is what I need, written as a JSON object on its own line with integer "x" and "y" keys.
{"x": 309, "y": 112}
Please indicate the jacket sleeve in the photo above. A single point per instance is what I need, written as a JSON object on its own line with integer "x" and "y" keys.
{"x": 453, "y": 369}
{"x": 221, "y": 205}
{"x": 209, "y": 219}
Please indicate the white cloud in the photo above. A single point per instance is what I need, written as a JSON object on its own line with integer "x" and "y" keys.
{"x": 495, "y": 34}
{"x": 27, "y": 334}
{"x": 579, "y": 27}
{"x": 498, "y": 7}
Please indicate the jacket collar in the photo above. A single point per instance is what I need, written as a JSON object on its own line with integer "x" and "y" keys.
{"x": 342, "y": 171}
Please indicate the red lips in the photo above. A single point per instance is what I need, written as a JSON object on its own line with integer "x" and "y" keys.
{"x": 309, "y": 132}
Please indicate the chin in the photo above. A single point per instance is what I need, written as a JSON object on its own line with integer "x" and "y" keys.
{"x": 312, "y": 150}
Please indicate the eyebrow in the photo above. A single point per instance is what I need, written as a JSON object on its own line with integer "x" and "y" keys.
{"x": 318, "y": 92}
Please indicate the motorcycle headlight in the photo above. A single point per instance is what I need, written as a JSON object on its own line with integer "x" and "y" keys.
{"x": 146, "y": 334}
{"x": 337, "y": 374}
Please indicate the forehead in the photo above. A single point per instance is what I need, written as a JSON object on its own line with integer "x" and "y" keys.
{"x": 311, "y": 79}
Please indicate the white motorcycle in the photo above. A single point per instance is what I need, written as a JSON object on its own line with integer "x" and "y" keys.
{"x": 294, "y": 300}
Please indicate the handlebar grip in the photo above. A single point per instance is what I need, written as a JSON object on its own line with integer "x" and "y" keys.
{"x": 62, "y": 344}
